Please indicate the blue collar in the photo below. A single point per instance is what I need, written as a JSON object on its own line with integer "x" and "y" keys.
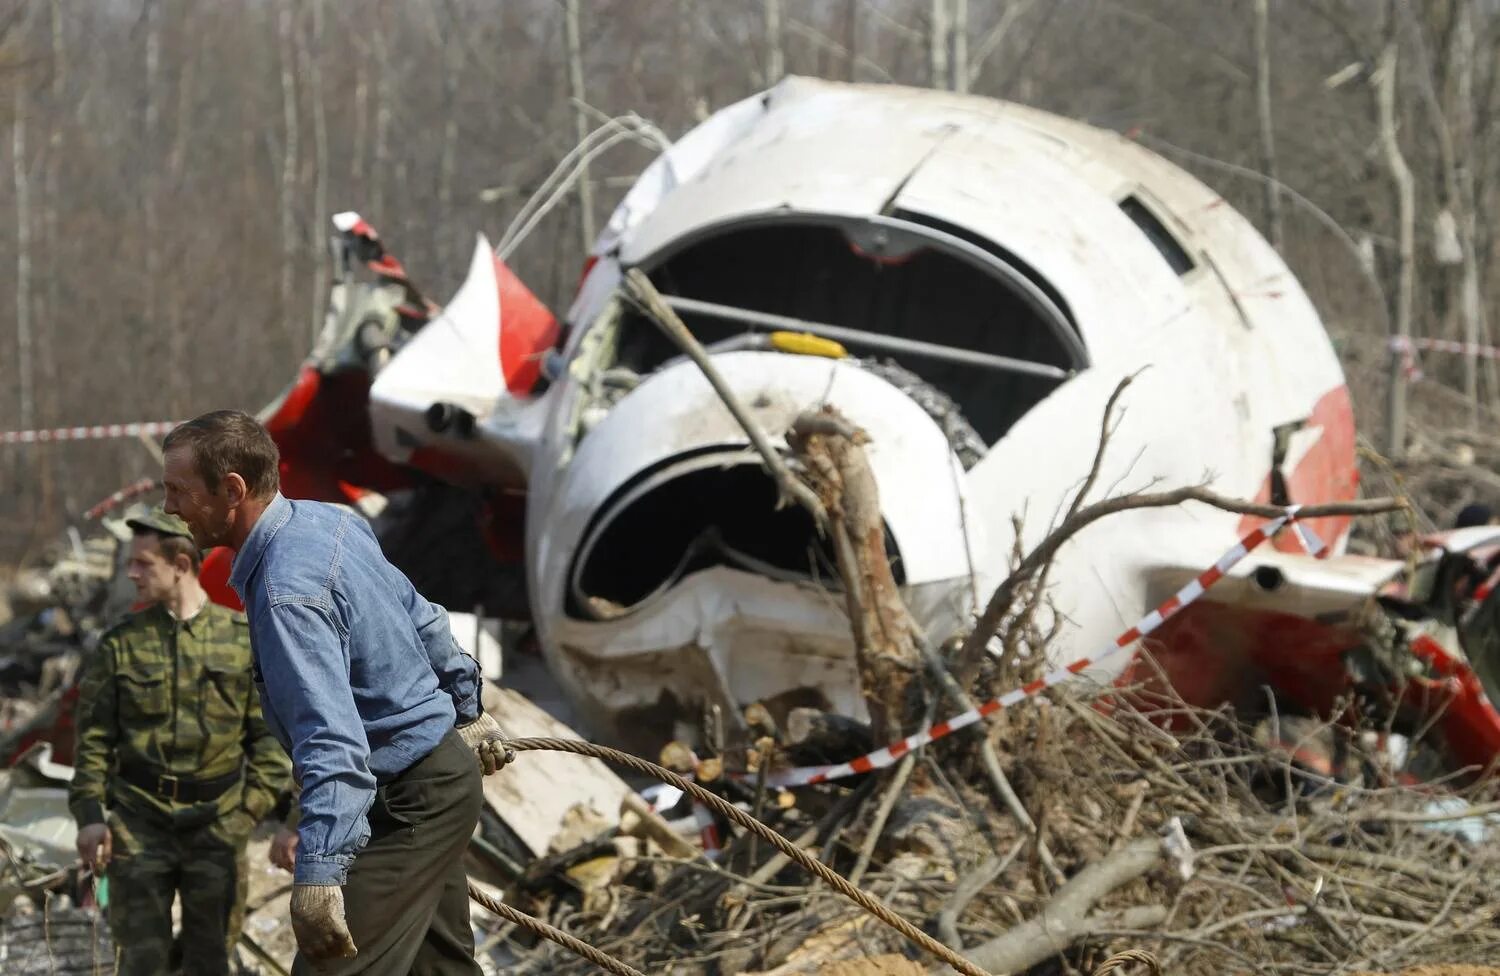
{"x": 277, "y": 514}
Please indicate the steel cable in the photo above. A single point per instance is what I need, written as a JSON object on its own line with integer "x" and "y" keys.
{"x": 817, "y": 868}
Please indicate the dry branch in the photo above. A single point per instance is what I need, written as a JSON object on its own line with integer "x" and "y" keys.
{"x": 1065, "y": 916}
{"x": 642, "y": 291}
{"x": 887, "y": 639}
{"x": 970, "y": 654}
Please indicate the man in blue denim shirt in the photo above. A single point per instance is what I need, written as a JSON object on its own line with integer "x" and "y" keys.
{"x": 364, "y": 686}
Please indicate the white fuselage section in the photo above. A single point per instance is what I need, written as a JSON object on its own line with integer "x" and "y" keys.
{"x": 1224, "y": 345}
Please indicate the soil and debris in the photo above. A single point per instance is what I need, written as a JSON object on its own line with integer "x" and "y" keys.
{"x": 1198, "y": 845}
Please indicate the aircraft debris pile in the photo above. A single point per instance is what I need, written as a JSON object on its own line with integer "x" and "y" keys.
{"x": 1215, "y": 847}
{"x": 58, "y": 607}
{"x": 1084, "y": 823}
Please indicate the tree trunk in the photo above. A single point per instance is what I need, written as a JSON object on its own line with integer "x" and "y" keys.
{"x": 851, "y": 37}
{"x": 1406, "y": 215}
{"x": 290, "y": 123}
{"x": 1476, "y": 329}
{"x": 885, "y": 635}
{"x": 314, "y": 60}
{"x": 151, "y": 139}
{"x": 361, "y": 116}
{"x": 1267, "y": 133}
{"x": 960, "y": 45}
{"x": 683, "y": 40}
{"x": 775, "y": 53}
{"x": 173, "y": 310}
{"x": 48, "y": 340}
{"x": 937, "y": 64}
{"x": 382, "y": 162}
{"x": 453, "y": 66}
{"x": 580, "y": 124}
{"x": 25, "y": 379}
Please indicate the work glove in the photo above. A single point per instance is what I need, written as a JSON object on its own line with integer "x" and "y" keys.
{"x": 485, "y": 736}
{"x": 95, "y": 845}
{"x": 318, "y": 923}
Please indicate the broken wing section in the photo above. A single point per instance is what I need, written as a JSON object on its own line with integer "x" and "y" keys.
{"x": 1289, "y": 634}
{"x": 1283, "y": 620}
{"x": 455, "y": 401}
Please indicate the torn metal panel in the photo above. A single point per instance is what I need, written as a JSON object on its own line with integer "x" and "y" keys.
{"x": 538, "y": 794}
{"x": 37, "y": 831}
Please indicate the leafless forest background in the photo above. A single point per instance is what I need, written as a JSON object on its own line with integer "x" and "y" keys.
{"x": 170, "y": 167}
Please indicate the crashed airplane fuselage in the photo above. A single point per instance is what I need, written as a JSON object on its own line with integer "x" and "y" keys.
{"x": 994, "y": 272}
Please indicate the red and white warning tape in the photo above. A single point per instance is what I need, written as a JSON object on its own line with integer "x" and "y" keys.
{"x": 1407, "y": 348}
{"x": 708, "y": 831}
{"x": 881, "y": 758}
{"x": 136, "y": 490}
{"x": 1409, "y": 343}
{"x": 98, "y": 432}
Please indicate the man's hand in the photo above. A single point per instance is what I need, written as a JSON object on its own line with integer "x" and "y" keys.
{"x": 485, "y": 736}
{"x": 283, "y": 851}
{"x": 318, "y": 923}
{"x": 95, "y": 843}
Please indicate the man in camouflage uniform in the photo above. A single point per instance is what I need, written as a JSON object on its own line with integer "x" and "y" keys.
{"x": 174, "y": 765}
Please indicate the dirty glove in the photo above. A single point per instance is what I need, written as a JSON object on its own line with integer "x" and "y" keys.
{"x": 485, "y": 736}
{"x": 94, "y": 846}
{"x": 318, "y": 922}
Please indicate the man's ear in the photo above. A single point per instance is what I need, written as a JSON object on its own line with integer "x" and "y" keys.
{"x": 235, "y": 491}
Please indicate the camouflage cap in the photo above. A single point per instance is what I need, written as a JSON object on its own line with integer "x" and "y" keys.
{"x": 157, "y": 520}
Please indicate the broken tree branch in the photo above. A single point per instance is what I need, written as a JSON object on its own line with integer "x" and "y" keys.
{"x": 887, "y": 640}
{"x": 644, "y": 293}
{"x": 967, "y": 888}
{"x": 990, "y": 756}
{"x": 1066, "y": 916}
{"x": 971, "y": 653}
{"x": 882, "y": 815}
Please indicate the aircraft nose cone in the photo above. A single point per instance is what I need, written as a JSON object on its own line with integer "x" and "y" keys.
{"x": 667, "y": 483}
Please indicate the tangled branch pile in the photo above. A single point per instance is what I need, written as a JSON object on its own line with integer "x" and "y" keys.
{"x": 1200, "y": 845}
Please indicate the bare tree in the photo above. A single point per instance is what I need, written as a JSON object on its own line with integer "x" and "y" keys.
{"x": 1385, "y": 81}
{"x": 960, "y": 29}
{"x": 580, "y": 122}
{"x": 150, "y": 140}
{"x": 453, "y": 67}
{"x": 937, "y": 58}
{"x": 289, "y": 151}
{"x": 361, "y": 120}
{"x": 993, "y": 39}
{"x": 26, "y": 386}
{"x": 48, "y": 339}
{"x": 313, "y": 58}
{"x": 384, "y": 95}
{"x": 775, "y": 54}
{"x": 1476, "y": 327}
{"x": 1267, "y": 131}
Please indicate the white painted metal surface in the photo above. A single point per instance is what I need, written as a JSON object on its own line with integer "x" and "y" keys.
{"x": 1223, "y": 353}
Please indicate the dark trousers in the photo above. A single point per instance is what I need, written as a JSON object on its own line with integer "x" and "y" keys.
{"x": 406, "y": 901}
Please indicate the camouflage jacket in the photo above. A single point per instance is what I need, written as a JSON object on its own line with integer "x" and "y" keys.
{"x": 174, "y": 697}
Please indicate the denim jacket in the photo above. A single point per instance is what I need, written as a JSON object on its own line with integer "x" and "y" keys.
{"x": 359, "y": 676}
